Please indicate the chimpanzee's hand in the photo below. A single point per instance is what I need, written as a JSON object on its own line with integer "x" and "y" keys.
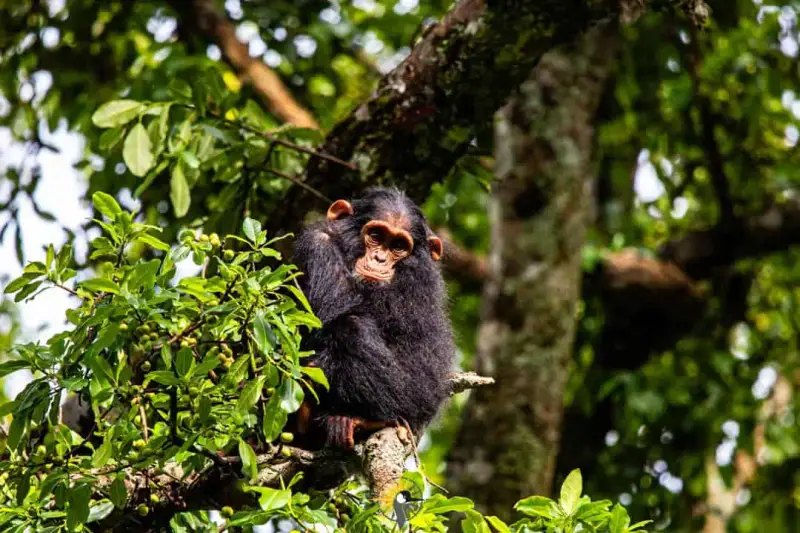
{"x": 340, "y": 432}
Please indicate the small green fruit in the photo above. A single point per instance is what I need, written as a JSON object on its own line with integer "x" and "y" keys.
{"x": 287, "y": 437}
{"x": 143, "y": 510}
{"x": 154, "y": 498}
{"x": 286, "y": 452}
{"x": 146, "y": 366}
{"x": 228, "y": 255}
{"x": 139, "y": 444}
{"x": 227, "y": 511}
{"x": 214, "y": 239}
{"x": 123, "y": 327}
{"x": 204, "y": 237}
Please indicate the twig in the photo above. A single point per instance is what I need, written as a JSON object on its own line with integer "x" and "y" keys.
{"x": 299, "y": 183}
{"x": 467, "y": 380}
{"x": 71, "y": 291}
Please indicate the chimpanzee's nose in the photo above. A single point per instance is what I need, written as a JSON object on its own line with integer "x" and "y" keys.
{"x": 380, "y": 256}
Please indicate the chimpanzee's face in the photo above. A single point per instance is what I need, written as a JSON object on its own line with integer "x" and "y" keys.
{"x": 387, "y": 233}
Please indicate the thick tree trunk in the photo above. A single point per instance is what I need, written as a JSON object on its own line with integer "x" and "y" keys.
{"x": 540, "y": 207}
{"x": 425, "y": 113}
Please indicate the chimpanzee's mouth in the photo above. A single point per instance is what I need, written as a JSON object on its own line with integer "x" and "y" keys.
{"x": 373, "y": 277}
{"x": 364, "y": 271}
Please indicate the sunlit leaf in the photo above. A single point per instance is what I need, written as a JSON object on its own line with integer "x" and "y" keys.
{"x": 179, "y": 193}
{"x": 116, "y": 113}
{"x": 137, "y": 151}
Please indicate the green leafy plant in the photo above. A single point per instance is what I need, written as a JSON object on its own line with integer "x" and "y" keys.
{"x": 183, "y": 376}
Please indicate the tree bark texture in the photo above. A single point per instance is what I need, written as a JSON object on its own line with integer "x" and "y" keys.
{"x": 425, "y": 113}
{"x": 540, "y": 207}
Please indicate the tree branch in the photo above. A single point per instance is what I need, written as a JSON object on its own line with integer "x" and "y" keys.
{"x": 425, "y": 113}
{"x": 669, "y": 283}
{"x": 380, "y": 459}
{"x": 204, "y": 19}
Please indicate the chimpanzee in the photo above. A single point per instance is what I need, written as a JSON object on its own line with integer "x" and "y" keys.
{"x": 386, "y": 343}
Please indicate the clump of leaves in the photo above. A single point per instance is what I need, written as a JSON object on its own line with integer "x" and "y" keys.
{"x": 175, "y": 372}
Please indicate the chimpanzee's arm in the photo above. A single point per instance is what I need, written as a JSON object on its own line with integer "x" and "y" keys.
{"x": 326, "y": 280}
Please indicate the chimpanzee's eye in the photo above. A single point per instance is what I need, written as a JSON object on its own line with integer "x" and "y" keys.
{"x": 375, "y": 234}
{"x": 399, "y": 245}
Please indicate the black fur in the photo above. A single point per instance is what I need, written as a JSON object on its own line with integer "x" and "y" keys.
{"x": 386, "y": 349}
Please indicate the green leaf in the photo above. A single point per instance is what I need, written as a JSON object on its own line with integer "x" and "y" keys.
{"x": 63, "y": 258}
{"x": 474, "y": 523}
{"x": 153, "y": 242}
{"x": 316, "y": 375}
{"x": 250, "y": 395}
{"x": 27, "y": 291}
{"x": 158, "y": 129}
{"x": 116, "y": 113}
{"x": 166, "y": 355}
{"x": 535, "y": 506}
{"x": 99, "y": 511}
{"x": 12, "y": 366}
{"x": 300, "y": 297}
{"x": 164, "y": 377}
{"x": 190, "y": 159}
{"x": 179, "y": 193}
{"x": 49, "y": 256}
{"x": 274, "y": 418}
{"x": 99, "y": 366}
{"x": 119, "y": 494}
{"x": 571, "y": 492}
{"x": 262, "y": 334}
{"x": 593, "y": 511}
{"x": 184, "y": 361}
{"x": 272, "y": 499}
{"x": 291, "y": 395}
{"x": 639, "y": 525}
{"x": 438, "y": 504}
{"x": 209, "y": 362}
{"x": 102, "y": 454}
{"x": 23, "y": 487}
{"x": 78, "y": 511}
{"x": 137, "y": 151}
{"x": 106, "y": 204}
{"x": 100, "y": 285}
{"x": 180, "y": 89}
{"x": 498, "y": 524}
{"x": 249, "y": 461}
{"x": 19, "y": 283}
{"x": 110, "y": 138}
{"x": 254, "y": 117}
{"x": 49, "y": 483}
{"x": 251, "y": 229}
{"x": 619, "y": 520}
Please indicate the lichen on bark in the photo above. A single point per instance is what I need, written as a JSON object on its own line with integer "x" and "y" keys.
{"x": 539, "y": 209}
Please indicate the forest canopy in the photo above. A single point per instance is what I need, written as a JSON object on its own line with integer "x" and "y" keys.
{"x": 614, "y": 183}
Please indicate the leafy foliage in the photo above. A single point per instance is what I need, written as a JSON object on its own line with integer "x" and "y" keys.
{"x": 178, "y": 372}
{"x": 208, "y": 156}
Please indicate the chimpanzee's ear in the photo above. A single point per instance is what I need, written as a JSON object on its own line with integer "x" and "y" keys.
{"x": 436, "y": 247}
{"x": 339, "y": 209}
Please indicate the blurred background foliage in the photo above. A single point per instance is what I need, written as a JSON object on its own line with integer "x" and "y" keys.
{"x": 718, "y": 402}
